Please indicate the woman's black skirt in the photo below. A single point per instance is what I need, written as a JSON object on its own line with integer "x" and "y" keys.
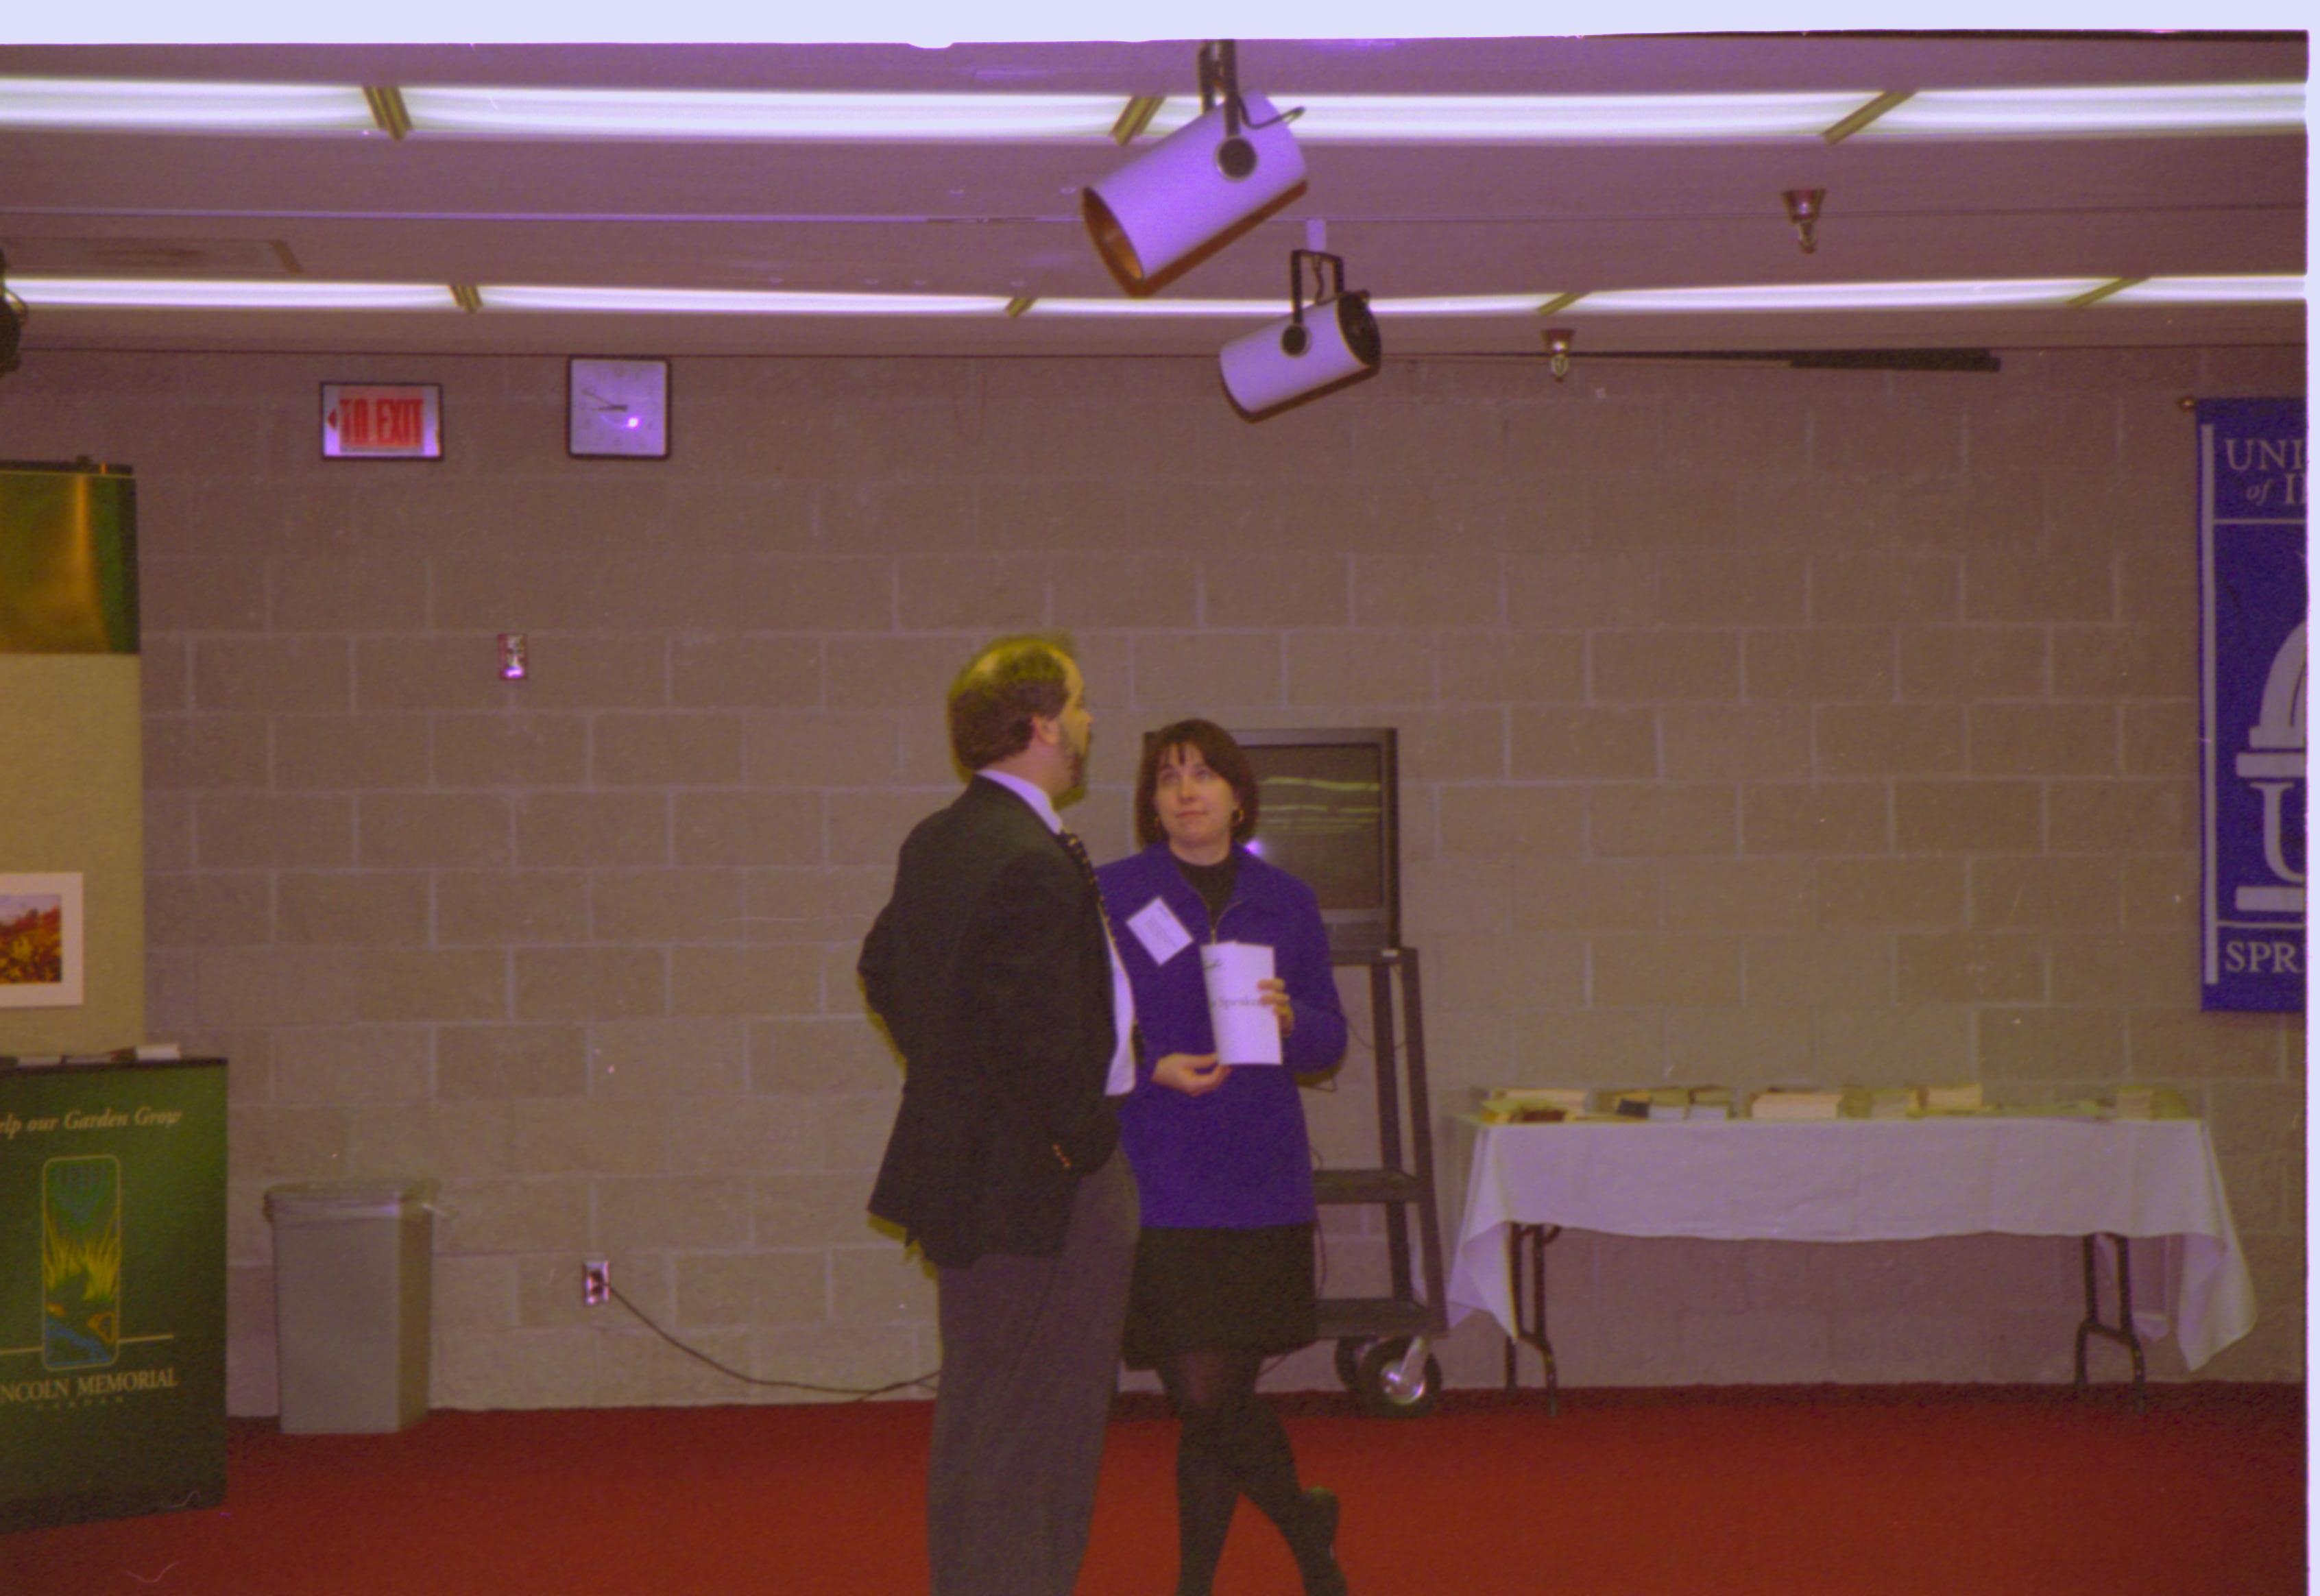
{"x": 1202, "y": 1290}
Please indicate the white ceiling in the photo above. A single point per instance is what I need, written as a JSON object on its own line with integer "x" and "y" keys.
{"x": 1003, "y": 219}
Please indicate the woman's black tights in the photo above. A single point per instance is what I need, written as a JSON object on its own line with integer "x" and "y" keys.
{"x": 1232, "y": 1445}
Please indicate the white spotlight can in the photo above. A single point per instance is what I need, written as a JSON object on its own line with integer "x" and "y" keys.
{"x": 1196, "y": 190}
{"x": 1316, "y": 348}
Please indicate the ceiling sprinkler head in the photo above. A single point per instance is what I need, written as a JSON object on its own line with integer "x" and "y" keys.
{"x": 1804, "y": 211}
{"x": 1558, "y": 350}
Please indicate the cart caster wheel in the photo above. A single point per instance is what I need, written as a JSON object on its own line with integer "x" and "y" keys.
{"x": 1349, "y": 1362}
{"x": 1379, "y": 1395}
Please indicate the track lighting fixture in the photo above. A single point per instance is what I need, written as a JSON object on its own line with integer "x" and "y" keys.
{"x": 1198, "y": 188}
{"x": 1558, "y": 350}
{"x": 1315, "y": 349}
{"x": 1803, "y": 206}
{"x": 13, "y": 317}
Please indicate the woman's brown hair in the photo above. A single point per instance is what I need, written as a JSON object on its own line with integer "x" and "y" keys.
{"x": 1218, "y": 750}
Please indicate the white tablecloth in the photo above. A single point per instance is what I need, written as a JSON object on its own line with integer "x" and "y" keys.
{"x": 1872, "y": 1179}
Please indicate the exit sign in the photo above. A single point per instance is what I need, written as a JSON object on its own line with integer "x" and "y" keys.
{"x": 379, "y": 421}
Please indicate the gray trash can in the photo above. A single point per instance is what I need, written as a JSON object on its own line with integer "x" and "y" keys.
{"x": 352, "y": 1267}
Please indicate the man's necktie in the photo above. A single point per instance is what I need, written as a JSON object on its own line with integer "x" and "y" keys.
{"x": 1078, "y": 850}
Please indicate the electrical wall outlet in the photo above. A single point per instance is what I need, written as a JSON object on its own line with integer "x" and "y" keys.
{"x": 595, "y": 1282}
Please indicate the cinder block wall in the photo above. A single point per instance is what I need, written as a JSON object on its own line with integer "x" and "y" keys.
{"x": 1758, "y": 726}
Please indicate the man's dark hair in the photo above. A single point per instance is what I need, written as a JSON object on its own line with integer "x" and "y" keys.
{"x": 993, "y": 700}
{"x": 1219, "y": 751}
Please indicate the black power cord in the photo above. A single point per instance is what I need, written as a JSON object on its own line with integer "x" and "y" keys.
{"x": 857, "y": 1393}
{"x": 926, "y": 1382}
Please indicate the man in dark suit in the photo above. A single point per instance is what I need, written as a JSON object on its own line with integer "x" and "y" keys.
{"x": 992, "y": 970}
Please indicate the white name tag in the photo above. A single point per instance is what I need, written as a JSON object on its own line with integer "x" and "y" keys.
{"x": 1163, "y": 935}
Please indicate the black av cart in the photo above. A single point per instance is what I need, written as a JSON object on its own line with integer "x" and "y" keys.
{"x": 1383, "y": 1343}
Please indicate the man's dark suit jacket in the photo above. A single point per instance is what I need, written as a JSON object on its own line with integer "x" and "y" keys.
{"x": 990, "y": 967}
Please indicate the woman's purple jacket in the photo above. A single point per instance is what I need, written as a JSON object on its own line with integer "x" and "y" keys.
{"x": 1235, "y": 1157}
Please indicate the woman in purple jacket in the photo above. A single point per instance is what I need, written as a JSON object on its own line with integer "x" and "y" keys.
{"x": 1224, "y": 1267}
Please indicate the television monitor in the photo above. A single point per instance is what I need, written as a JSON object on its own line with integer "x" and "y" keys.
{"x": 1329, "y": 815}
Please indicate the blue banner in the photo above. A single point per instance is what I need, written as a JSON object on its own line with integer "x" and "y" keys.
{"x": 2253, "y": 493}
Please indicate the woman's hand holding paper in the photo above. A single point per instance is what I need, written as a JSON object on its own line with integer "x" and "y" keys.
{"x": 1274, "y": 991}
{"x": 1192, "y": 1074}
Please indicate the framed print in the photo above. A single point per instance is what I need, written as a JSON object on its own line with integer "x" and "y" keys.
{"x": 616, "y": 408}
{"x": 382, "y": 420}
{"x": 42, "y": 966}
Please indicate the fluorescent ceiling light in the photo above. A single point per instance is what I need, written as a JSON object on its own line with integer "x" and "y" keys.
{"x": 1161, "y": 309}
{"x": 699, "y": 114}
{"x": 138, "y": 105}
{"x": 197, "y": 293}
{"x": 64, "y": 293}
{"x": 2242, "y": 290}
{"x": 1398, "y": 119}
{"x": 130, "y": 104}
{"x": 2014, "y": 294}
{"x": 742, "y": 302}
{"x": 1427, "y": 119}
{"x": 1464, "y": 304}
{"x": 2037, "y": 293}
{"x": 2141, "y": 108}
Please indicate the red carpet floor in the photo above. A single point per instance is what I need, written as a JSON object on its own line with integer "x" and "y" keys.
{"x": 1793, "y": 1490}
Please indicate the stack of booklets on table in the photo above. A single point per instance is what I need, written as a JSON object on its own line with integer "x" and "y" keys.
{"x": 1668, "y": 1103}
{"x": 1883, "y": 1102}
{"x": 2151, "y": 1102}
{"x": 1631, "y": 1105}
{"x": 1780, "y": 1104}
{"x": 1534, "y": 1105}
{"x": 1548, "y": 1105}
{"x": 1674, "y": 1102}
{"x": 1955, "y": 1100}
{"x": 1709, "y": 1103}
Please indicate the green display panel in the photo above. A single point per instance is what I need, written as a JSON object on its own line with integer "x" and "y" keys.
{"x": 111, "y": 1290}
{"x": 68, "y": 560}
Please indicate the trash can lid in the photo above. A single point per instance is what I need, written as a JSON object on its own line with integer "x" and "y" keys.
{"x": 349, "y": 1198}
